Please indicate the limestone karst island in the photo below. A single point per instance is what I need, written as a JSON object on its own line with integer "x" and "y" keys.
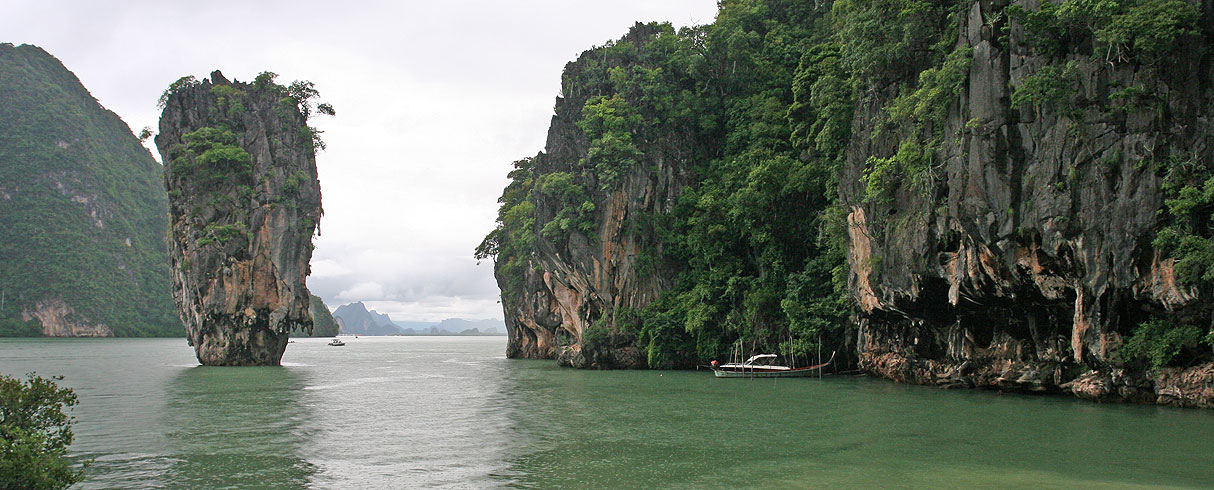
{"x": 678, "y": 244}
{"x": 240, "y": 170}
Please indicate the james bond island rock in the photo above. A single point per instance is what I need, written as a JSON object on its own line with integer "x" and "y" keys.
{"x": 1029, "y": 201}
{"x": 244, "y": 202}
{"x": 83, "y": 213}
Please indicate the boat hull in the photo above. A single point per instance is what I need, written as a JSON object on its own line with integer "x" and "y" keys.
{"x": 754, "y": 373}
{"x": 740, "y": 371}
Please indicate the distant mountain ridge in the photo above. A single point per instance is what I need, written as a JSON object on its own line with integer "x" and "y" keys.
{"x": 460, "y": 325}
{"x": 356, "y": 318}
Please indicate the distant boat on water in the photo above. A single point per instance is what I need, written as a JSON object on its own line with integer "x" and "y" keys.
{"x": 337, "y": 343}
{"x": 763, "y": 366}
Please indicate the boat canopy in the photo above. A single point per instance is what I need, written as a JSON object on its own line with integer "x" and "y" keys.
{"x": 760, "y": 356}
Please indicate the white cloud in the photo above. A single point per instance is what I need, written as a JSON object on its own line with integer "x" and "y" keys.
{"x": 368, "y": 291}
{"x": 434, "y": 101}
{"x": 326, "y": 268}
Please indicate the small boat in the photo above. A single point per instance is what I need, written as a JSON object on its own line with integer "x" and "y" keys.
{"x": 761, "y": 366}
{"x": 337, "y": 343}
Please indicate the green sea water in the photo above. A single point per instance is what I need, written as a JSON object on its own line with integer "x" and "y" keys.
{"x": 450, "y": 412}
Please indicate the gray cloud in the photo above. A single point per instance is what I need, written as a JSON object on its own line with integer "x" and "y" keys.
{"x": 434, "y": 101}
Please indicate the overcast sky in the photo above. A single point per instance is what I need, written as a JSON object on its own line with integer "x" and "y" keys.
{"x": 434, "y": 101}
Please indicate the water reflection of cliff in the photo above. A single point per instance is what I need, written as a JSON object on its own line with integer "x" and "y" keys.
{"x": 237, "y": 428}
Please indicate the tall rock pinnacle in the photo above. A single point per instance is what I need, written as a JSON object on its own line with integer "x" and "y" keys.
{"x": 244, "y": 201}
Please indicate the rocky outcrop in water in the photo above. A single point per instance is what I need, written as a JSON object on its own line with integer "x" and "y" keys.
{"x": 589, "y": 268}
{"x": 244, "y": 201}
{"x": 1018, "y": 196}
{"x": 1027, "y": 262}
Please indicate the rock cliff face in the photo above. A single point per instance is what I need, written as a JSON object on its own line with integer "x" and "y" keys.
{"x": 1006, "y": 183}
{"x": 58, "y": 320}
{"x": 1028, "y": 261}
{"x": 592, "y": 271}
{"x": 244, "y": 203}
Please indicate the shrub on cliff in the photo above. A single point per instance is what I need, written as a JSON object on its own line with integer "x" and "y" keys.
{"x": 1162, "y": 343}
{"x": 35, "y": 433}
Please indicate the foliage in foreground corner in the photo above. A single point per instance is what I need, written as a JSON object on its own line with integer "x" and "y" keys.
{"x": 35, "y": 433}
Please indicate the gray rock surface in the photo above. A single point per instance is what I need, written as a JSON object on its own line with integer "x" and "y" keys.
{"x": 242, "y": 235}
{"x": 1029, "y": 260}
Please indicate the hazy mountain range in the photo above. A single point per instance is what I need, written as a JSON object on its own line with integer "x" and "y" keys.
{"x": 356, "y": 318}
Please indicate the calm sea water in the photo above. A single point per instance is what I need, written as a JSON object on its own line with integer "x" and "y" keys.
{"x": 410, "y": 412}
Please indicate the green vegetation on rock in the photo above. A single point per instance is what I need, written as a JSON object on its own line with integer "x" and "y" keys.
{"x": 512, "y": 243}
{"x": 1117, "y": 31}
{"x": 753, "y": 247}
{"x": 1162, "y": 343}
{"x": 82, "y": 209}
{"x": 747, "y": 123}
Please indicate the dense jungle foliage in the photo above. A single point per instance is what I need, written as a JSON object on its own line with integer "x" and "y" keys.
{"x": 764, "y": 98}
{"x": 82, "y": 208}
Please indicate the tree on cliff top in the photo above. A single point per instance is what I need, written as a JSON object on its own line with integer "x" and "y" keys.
{"x": 35, "y": 434}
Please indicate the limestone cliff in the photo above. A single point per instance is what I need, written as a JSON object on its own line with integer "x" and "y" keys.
{"x": 244, "y": 203}
{"x": 671, "y": 220}
{"x": 1025, "y": 259}
{"x": 970, "y": 193}
{"x": 587, "y": 268}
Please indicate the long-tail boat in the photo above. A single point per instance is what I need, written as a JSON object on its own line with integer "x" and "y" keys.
{"x": 762, "y": 366}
